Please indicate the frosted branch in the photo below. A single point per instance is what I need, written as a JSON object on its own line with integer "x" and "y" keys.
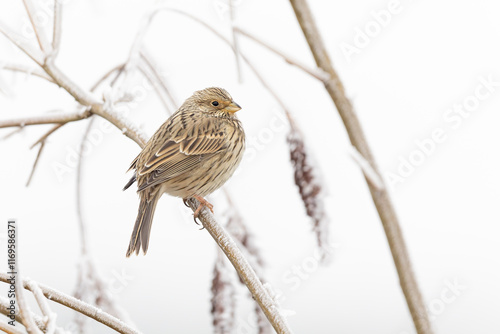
{"x": 57, "y": 32}
{"x": 245, "y": 271}
{"x": 79, "y": 306}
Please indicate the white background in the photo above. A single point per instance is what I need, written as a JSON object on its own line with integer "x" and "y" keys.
{"x": 428, "y": 57}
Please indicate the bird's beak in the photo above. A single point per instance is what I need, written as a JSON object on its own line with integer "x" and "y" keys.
{"x": 232, "y": 107}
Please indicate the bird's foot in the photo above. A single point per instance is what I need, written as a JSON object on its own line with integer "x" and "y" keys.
{"x": 203, "y": 204}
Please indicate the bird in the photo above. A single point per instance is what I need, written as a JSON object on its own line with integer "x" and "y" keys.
{"x": 191, "y": 155}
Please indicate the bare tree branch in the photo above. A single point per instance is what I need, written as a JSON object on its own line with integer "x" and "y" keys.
{"x": 6, "y": 328}
{"x": 4, "y": 309}
{"x": 380, "y": 197}
{"x": 80, "y": 306}
{"x": 35, "y": 164}
{"x": 44, "y": 307}
{"x": 24, "y": 310}
{"x": 47, "y": 134}
{"x": 316, "y": 72}
{"x": 56, "y": 35}
{"x": 45, "y": 119}
{"x": 235, "y": 43}
{"x": 245, "y": 271}
{"x": 26, "y": 69}
{"x": 156, "y": 85}
{"x": 38, "y": 28}
{"x": 159, "y": 78}
{"x": 90, "y": 286}
{"x": 10, "y": 134}
{"x": 17, "y": 40}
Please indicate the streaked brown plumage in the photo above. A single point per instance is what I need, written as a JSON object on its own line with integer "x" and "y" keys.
{"x": 191, "y": 155}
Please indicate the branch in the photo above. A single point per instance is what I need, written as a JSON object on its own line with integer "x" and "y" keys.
{"x": 44, "y": 306}
{"x": 4, "y": 309}
{"x": 46, "y": 119}
{"x": 79, "y": 306}
{"x": 156, "y": 85}
{"x": 35, "y": 164}
{"x": 316, "y": 72}
{"x": 380, "y": 197}
{"x": 47, "y": 134}
{"x": 37, "y": 28}
{"x": 56, "y": 35}
{"x": 235, "y": 43}
{"x": 148, "y": 61}
{"x": 24, "y": 311}
{"x": 6, "y": 328}
{"x": 8, "y": 135}
{"x": 28, "y": 70}
{"x": 34, "y": 54}
{"x": 245, "y": 271}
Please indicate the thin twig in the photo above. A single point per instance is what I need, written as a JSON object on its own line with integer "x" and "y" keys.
{"x": 117, "y": 69}
{"x": 57, "y": 30}
{"x": 10, "y": 134}
{"x": 79, "y": 211}
{"x": 79, "y": 306}
{"x": 47, "y": 134}
{"x": 152, "y": 80}
{"x": 159, "y": 78}
{"x": 45, "y": 119}
{"x": 314, "y": 72}
{"x": 88, "y": 275}
{"x": 26, "y": 69}
{"x": 35, "y": 164}
{"x": 380, "y": 197}
{"x": 37, "y": 28}
{"x": 235, "y": 43}
{"x": 34, "y": 54}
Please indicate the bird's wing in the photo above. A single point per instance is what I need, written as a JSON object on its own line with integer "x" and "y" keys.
{"x": 186, "y": 150}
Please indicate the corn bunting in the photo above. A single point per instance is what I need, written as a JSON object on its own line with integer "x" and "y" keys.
{"x": 191, "y": 155}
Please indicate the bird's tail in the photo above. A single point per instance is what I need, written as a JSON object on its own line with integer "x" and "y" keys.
{"x": 142, "y": 227}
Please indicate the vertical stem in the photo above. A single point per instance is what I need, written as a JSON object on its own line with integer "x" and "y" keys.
{"x": 380, "y": 196}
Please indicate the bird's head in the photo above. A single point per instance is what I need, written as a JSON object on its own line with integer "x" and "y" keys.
{"x": 216, "y": 101}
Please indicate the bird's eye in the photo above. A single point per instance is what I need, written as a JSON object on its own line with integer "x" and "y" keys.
{"x": 215, "y": 103}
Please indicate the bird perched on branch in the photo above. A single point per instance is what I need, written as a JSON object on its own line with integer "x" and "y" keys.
{"x": 191, "y": 155}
